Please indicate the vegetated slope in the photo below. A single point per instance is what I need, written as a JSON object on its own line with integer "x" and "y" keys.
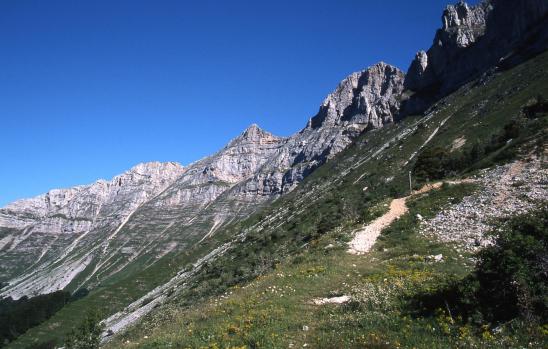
{"x": 19, "y": 315}
{"x": 335, "y": 200}
{"x": 261, "y": 291}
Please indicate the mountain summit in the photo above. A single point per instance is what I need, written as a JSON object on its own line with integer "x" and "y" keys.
{"x": 368, "y": 98}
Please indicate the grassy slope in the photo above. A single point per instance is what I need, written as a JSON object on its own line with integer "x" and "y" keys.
{"x": 271, "y": 311}
{"x": 274, "y": 309}
{"x": 108, "y": 298}
{"x": 295, "y": 226}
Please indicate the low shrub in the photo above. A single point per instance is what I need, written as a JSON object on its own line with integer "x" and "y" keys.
{"x": 510, "y": 280}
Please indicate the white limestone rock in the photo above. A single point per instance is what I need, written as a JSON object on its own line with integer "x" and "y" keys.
{"x": 364, "y": 100}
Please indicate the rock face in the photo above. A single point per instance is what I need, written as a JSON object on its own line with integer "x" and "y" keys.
{"x": 50, "y": 226}
{"x": 60, "y": 208}
{"x": 80, "y": 236}
{"x": 462, "y": 27}
{"x": 364, "y": 100}
{"x": 45, "y": 242}
{"x": 473, "y": 39}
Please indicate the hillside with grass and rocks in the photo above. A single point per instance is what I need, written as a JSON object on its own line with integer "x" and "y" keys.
{"x": 409, "y": 212}
{"x": 291, "y": 279}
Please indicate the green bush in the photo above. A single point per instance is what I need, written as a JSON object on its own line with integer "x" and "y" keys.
{"x": 44, "y": 345}
{"x": 512, "y": 274}
{"x": 537, "y": 107}
{"x": 510, "y": 280}
{"x": 438, "y": 163}
{"x": 87, "y": 335}
{"x": 432, "y": 164}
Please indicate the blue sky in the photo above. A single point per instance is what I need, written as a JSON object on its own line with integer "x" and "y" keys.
{"x": 90, "y": 88}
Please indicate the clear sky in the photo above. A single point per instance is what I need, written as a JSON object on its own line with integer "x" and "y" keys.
{"x": 90, "y": 88}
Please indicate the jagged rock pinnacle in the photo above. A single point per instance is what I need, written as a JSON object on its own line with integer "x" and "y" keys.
{"x": 473, "y": 39}
{"x": 368, "y": 97}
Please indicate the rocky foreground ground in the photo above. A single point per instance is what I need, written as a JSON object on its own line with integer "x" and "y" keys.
{"x": 503, "y": 191}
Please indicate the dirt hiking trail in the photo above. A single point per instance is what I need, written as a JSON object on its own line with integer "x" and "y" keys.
{"x": 365, "y": 238}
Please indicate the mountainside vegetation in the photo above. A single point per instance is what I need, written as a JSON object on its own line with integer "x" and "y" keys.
{"x": 261, "y": 294}
{"x": 17, "y": 316}
{"x": 509, "y": 281}
{"x": 253, "y": 247}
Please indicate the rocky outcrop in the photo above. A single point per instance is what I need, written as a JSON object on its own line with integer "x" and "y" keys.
{"x": 473, "y": 39}
{"x": 364, "y": 100}
{"x": 462, "y": 26}
{"x": 45, "y": 242}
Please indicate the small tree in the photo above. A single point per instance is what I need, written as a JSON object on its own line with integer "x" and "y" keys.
{"x": 431, "y": 164}
{"x": 87, "y": 335}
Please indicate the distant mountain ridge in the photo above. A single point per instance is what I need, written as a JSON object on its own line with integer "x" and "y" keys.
{"x": 92, "y": 232}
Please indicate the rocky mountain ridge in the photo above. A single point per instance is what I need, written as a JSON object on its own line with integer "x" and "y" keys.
{"x": 364, "y": 100}
{"x": 472, "y": 40}
{"x": 73, "y": 203}
{"x": 44, "y": 230}
{"x": 54, "y": 234}
{"x": 47, "y": 234}
{"x": 155, "y": 201}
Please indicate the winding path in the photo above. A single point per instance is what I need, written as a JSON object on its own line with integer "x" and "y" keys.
{"x": 365, "y": 238}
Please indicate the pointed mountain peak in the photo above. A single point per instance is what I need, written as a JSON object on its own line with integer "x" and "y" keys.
{"x": 384, "y": 67}
{"x": 254, "y": 133}
{"x": 380, "y": 64}
{"x": 253, "y": 128}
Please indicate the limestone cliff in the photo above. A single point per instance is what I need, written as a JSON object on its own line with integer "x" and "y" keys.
{"x": 472, "y": 40}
